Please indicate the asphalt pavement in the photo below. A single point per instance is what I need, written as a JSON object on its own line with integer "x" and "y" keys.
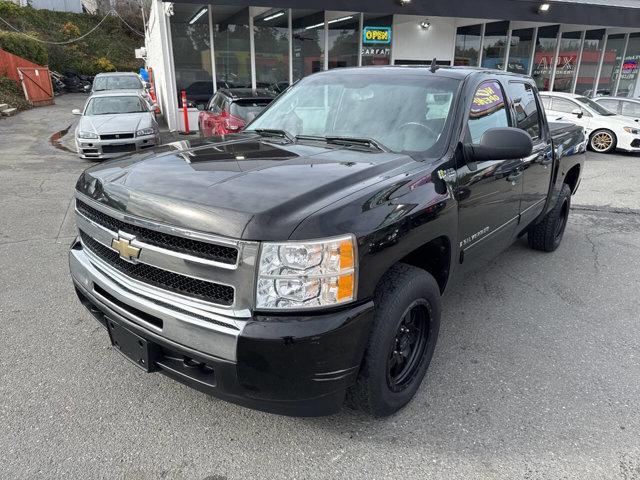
{"x": 536, "y": 374}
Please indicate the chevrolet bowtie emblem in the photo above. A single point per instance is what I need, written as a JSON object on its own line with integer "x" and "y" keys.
{"x": 125, "y": 249}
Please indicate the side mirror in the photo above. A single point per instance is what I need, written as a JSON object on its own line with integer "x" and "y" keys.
{"x": 200, "y": 106}
{"x": 504, "y": 143}
{"x": 76, "y": 111}
{"x": 577, "y": 112}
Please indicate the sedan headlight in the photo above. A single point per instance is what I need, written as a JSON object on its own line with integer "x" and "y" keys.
{"x": 82, "y": 134}
{"x": 145, "y": 131}
{"x": 296, "y": 275}
{"x": 633, "y": 131}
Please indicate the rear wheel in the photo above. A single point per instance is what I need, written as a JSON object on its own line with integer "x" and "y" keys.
{"x": 602, "y": 141}
{"x": 401, "y": 343}
{"x": 547, "y": 234}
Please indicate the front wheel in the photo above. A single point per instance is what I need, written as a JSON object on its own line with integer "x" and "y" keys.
{"x": 602, "y": 141}
{"x": 547, "y": 234}
{"x": 401, "y": 343}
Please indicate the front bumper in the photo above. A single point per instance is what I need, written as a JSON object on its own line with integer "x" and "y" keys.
{"x": 292, "y": 365}
{"x": 102, "y": 149}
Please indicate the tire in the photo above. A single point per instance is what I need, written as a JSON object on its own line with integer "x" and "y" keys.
{"x": 603, "y": 141}
{"x": 406, "y": 297}
{"x": 547, "y": 234}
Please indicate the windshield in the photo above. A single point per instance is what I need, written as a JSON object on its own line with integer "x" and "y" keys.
{"x": 248, "y": 109}
{"x": 404, "y": 112}
{"x": 110, "y": 105}
{"x": 599, "y": 109}
{"x": 117, "y": 82}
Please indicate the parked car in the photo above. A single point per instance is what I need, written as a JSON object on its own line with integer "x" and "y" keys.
{"x": 627, "y": 107}
{"x": 113, "y": 122}
{"x": 229, "y": 110}
{"x": 607, "y": 131}
{"x": 120, "y": 81}
{"x": 302, "y": 261}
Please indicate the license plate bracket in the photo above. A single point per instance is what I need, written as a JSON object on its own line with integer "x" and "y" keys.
{"x": 132, "y": 346}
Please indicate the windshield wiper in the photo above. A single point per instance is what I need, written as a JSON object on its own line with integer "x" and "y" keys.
{"x": 347, "y": 141}
{"x": 274, "y": 132}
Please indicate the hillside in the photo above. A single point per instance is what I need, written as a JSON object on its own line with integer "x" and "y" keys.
{"x": 110, "y": 47}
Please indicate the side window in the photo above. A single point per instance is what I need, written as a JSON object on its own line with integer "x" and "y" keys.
{"x": 611, "y": 105}
{"x": 631, "y": 108}
{"x": 526, "y": 108}
{"x": 564, "y": 106}
{"x": 488, "y": 110}
{"x": 546, "y": 101}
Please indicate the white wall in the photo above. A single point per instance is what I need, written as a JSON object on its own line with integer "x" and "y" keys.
{"x": 411, "y": 42}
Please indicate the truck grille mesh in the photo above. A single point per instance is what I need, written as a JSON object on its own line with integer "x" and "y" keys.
{"x": 218, "y": 253}
{"x": 212, "y": 292}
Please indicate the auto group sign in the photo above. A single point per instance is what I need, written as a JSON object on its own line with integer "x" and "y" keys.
{"x": 376, "y": 41}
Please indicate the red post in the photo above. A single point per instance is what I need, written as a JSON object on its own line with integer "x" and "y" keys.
{"x": 183, "y": 94}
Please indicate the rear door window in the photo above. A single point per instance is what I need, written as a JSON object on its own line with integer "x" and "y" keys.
{"x": 631, "y": 108}
{"x": 564, "y": 106}
{"x": 610, "y": 104}
{"x": 488, "y": 110}
{"x": 525, "y": 107}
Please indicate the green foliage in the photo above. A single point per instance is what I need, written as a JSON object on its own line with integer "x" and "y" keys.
{"x": 24, "y": 47}
{"x": 112, "y": 41}
{"x": 11, "y": 93}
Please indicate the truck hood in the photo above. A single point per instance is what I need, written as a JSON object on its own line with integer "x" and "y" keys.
{"x": 240, "y": 186}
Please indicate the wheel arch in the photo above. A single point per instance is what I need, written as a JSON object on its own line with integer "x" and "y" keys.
{"x": 434, "y": 257}
{"x": 572, "y": 177}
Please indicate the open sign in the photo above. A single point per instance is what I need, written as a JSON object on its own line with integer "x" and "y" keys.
{"x": 379, "y": 35}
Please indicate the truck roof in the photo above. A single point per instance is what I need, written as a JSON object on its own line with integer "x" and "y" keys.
{"x": 457, "y": 72}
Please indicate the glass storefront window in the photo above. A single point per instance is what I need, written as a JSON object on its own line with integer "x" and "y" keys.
{"x": 232, "y": 46}
{"x": 629, "y": 77}
{"x": 567, "y": 62}
{"x": 589, "y": 62}
{"x": 494, "y": 46}
{"x": 192, "y": 53}
{"x": 307, "y": 42}
{"x": 611, "y": 64}
{"x": 544, "y": 55}
{"x": 344, "y": 31}
{"x": 271, "y": 40}
{"x": 468, "y": 45}
{"x": 377, "y": 50}
{"x": 520, "y": 51}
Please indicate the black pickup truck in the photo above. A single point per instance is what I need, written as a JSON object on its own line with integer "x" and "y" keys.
{"x": 300, "y": 264}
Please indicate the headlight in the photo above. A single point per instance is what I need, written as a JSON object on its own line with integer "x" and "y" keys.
{"x": 145, "y": 131}
{"x": 632, "y": 130}
{"x": 295, "y": 275}
{"x": 87, "y": 135}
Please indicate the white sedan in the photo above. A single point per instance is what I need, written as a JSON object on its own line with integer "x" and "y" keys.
{"x": 607, "y": 131}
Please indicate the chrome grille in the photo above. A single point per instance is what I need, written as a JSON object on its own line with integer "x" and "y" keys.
{"x": 210, "y": 291}
{"x": 195, "y": 273}
{"x": 219, "y": 253}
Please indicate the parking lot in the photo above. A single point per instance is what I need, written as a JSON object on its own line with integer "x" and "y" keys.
{"x": 536, "y": 374}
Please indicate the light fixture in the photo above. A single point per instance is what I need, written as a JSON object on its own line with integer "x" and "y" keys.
{"x": 404, "y": 2}
{"x": 200, "y": 13}
{"x": 544, "y": 7}
{"x": 425, "y": 25}
{"x": 317, "y": 25}
{"x": 271, "y": 17}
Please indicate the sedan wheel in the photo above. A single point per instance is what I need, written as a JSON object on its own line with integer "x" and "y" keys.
{"x": 602, "y": 141}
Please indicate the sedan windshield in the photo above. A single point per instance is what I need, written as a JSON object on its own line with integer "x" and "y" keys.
{"x": 117, "y": 82}
{"x": 599, "y": 109}
{"x": 111, "y": 105}
{"x": 403, "y": 112}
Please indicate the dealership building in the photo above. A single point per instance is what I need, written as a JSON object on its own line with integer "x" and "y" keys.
{"x": 589, "y": 47}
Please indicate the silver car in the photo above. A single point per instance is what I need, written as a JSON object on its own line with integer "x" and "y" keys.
{"x": 115, "y": 122}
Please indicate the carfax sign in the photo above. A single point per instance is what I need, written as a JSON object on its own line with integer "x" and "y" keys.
{"x": 377, "y": 35}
